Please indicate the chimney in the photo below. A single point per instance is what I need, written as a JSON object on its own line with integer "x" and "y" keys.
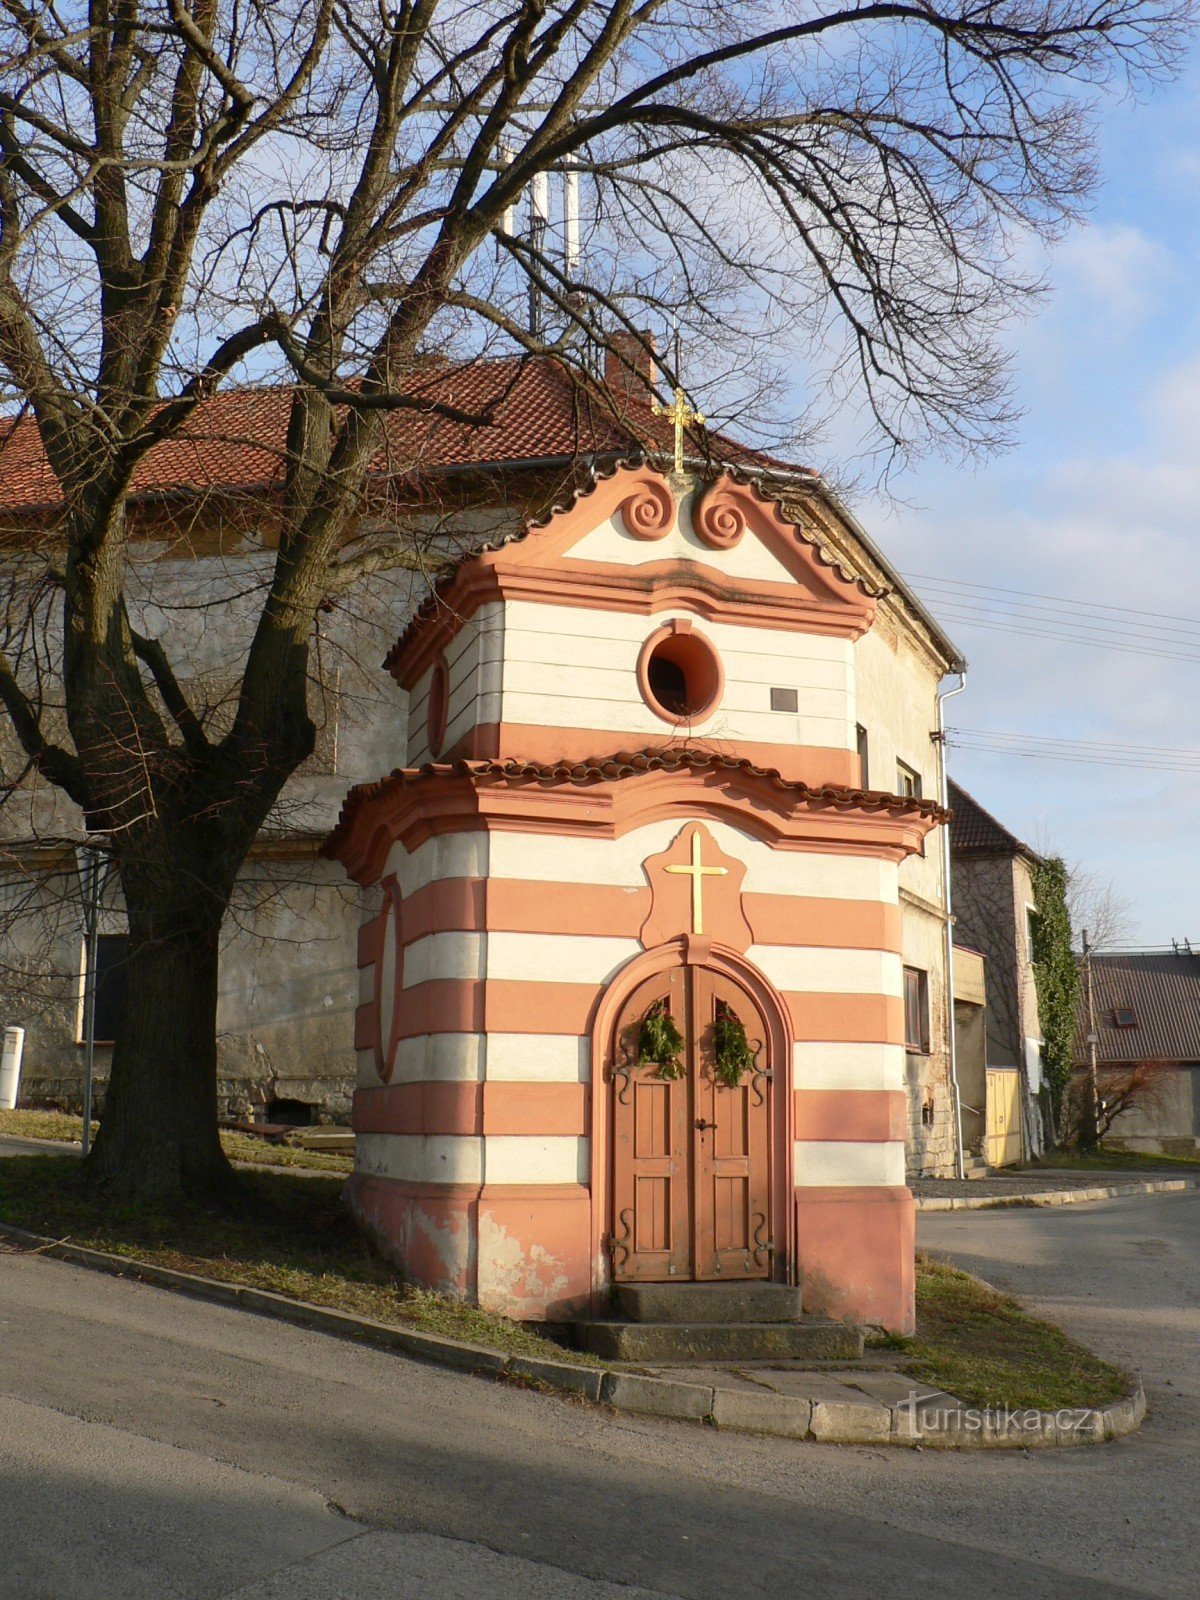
{"x": 630, "y": 370}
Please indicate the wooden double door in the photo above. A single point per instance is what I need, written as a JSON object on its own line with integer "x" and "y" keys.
{"x": 691, "y": 1176}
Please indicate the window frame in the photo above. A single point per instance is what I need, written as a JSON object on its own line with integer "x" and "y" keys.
{"x": 917, "y": 1044}
{"x": 908, "y": 781}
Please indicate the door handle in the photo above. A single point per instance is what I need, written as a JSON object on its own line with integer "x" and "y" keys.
{"x": 702, "y": 1125}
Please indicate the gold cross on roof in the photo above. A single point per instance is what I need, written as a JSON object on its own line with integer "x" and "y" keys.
{"x": 697, "y": 872}
{"x": 682, "y": 415}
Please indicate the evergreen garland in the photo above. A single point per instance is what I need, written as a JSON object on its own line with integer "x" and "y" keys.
{"x": 660, "y": 1042}
{"x": 1056, "y": 977}
{"x": 731, "y": 1048}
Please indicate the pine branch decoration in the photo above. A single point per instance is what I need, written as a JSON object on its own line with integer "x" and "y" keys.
{"x": 660, "y": 1042}
{"x": 732, "y": 1049}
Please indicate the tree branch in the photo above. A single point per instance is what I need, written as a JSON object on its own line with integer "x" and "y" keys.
{"x": 151, "y": 652}
{"x": 52, "y": 760}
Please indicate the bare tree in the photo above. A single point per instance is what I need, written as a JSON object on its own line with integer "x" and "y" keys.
{"x": 193, "y": 191}
{"x": 1096, "y": 905}
{"x": 1132, "y": 1086}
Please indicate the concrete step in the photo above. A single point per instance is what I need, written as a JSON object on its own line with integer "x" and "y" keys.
{"x": 807, "y": 1340}
{"x": 708, "y": 1302}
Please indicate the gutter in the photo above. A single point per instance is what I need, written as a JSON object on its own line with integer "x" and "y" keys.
{"x": 947, "y": 897}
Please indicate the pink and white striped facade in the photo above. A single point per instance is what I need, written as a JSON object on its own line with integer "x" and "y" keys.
{"x": 529, "y": 879}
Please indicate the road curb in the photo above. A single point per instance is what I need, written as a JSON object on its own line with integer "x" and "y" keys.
{"x": 1051, "y": 1197}
{"x": 736, "y": 1410}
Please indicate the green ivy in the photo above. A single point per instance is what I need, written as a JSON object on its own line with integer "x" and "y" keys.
{"x": 1056, "y": 976}
{"x": 660, "y": 1042}
{"x": 731, "y": 1049}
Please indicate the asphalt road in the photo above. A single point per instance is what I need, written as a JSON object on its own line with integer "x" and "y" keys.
{"x": 152, "y": 1446}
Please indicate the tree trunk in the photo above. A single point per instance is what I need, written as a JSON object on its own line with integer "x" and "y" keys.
{"x": 158, "y": 1134}
{"x": 1088, "y": 1132}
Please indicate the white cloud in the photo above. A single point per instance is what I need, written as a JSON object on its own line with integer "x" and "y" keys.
{"x": 1116, "y": 273}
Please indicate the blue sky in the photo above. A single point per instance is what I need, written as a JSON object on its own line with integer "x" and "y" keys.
{"x": 1100, "y": 501}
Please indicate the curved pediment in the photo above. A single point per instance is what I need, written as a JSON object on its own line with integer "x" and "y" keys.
{"x": 642, "y": 541}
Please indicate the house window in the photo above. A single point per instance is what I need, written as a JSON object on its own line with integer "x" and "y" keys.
{"x": 1125, "y": 1017}
{"x": 908, "y": 781}
{"x": 680, "y": 674}
{"x": 861, "y": 735}
{"x": 112, "y": 950}
{"x": 916, "y": 1011}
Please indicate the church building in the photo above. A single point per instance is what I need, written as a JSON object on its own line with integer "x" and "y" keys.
{"x": 633, "y": 993}
{"x": 635, "y": 966}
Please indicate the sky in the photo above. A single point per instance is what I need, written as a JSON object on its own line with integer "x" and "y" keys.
{"x": 1098, "y": 503}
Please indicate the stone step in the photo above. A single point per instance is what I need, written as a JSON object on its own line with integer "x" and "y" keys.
{"x": 807, "y": 1340}
{"x": 740, "y": 1301}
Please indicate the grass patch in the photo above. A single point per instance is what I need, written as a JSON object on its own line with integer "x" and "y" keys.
{"x": 1103, "y": 1160}
{"x": 985, "y": 1348}
{"x": 56, "y": 1125}
{"x": 244, "y": 1147}
{"x": 293, "y": 1238}
{"x": 64, "y": 1127}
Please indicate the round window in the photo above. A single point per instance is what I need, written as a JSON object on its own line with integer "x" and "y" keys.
{"x": 680, "y": 674}
{"x": 439, "y": 705}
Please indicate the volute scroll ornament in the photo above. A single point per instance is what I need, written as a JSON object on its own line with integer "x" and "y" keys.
{"x": 649, "y": 511}
{"x": 719, "y": 515}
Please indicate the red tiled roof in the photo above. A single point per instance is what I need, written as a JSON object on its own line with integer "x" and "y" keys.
{"x": 608, "y": 769}
{"x": 974, "y": 831}
{"x": 235, "y": 441}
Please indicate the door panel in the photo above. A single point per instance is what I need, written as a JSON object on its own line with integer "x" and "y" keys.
{"x": 732, "y": 1153}
{"x": 1003, "y": 1117}
{"x": 691, "y": 1155}
{"x": 651, "y": 1148}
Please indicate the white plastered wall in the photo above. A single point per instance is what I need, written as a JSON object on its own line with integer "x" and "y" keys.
{"x": 473, "y": 660}
{"x": 897, "y": 681}
{"x": 749, "y": 558}
{"x": 595, "y": 959}
{"x": 568, "y": 667}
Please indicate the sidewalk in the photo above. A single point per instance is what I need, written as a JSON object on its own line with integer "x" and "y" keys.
{"x": 1045, "y": 1187}
{"x": 850, "y": 1403}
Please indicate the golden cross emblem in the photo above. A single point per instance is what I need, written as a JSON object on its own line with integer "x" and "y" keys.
{"x": 697, "y": 872}
{"x": 682, "y": 415}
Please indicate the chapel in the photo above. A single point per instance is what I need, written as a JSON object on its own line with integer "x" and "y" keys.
{"x": 632, "y": 970}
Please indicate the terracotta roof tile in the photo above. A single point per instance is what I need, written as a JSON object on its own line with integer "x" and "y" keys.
{"x": 609, "y": 769}
{"x": 235, "y": 441}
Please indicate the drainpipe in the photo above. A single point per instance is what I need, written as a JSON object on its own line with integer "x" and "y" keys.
{"x": 947, "y": 905}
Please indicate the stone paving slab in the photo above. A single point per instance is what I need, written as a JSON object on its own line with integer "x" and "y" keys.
{"x": 726, "y": 1377}
{"x": 891, "y": 1388}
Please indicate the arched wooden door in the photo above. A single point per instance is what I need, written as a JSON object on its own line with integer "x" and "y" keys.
{"x": 691, "y": 1178}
